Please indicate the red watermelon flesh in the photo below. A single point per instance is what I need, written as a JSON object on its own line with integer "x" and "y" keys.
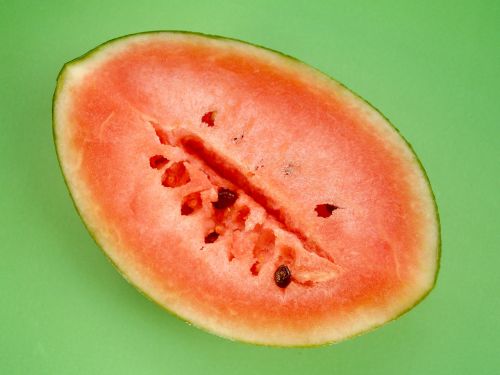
{"x": 243, "y": 190}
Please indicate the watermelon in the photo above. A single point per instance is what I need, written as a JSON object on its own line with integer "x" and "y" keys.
{"x": 243, "y": 190}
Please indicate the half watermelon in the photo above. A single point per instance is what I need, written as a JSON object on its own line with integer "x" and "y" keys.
{"x": 243, "y": 190}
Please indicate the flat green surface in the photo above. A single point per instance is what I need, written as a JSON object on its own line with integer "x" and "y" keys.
{"x": 433, "y": 69}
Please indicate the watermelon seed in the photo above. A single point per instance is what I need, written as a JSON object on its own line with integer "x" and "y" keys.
{"x": 325, "y": 210}
{"x": 225, "y": 198}
{"x": 157, "y": 161}
{"x": 282, "y": 276}
{"x": 209, "y": 118}
{"x": 211, "y": 237}
{"x": 176, "y": 175}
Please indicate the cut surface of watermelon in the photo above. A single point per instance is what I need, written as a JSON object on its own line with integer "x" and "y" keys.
{"x": 243, "y": 190}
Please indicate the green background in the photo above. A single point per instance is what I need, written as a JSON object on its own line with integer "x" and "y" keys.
{"x": 431, "y": 67}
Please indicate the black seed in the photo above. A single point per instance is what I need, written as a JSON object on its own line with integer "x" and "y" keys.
{"x": 282, "y": 276}
{"x": 225, "y": 198}
{"x": 211, "y": 237}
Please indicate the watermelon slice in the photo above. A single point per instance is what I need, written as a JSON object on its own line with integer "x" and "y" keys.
{"x": 243, "y": 190}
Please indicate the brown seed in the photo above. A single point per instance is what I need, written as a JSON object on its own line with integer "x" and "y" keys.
{"x": 225, "y": 198}
{"x": 282, "y": 276}
{"x": 211, "y": 237}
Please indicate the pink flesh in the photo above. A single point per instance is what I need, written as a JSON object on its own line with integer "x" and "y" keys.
{"x": 300, "y": 147}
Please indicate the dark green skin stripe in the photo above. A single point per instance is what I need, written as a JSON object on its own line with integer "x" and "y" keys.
{"x": 60, "y": 80}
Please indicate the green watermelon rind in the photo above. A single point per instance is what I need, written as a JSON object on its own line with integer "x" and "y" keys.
{"x": 60, "y": 80}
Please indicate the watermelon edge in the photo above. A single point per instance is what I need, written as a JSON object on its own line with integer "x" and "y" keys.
{"x": 88, "y": 54}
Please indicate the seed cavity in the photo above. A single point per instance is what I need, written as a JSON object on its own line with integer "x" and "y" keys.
{"x": 325, "y": 210}
{"x": 263, "y": 248}
{"x": 241, "y": 217}
{"x": 282, "y": 276}
{"x": 191, "y": 203}
{"x": 225, "y": 198}
{"x": 255, "y": 269}
{"x": 211, "y": 237}
{"x": 209, "y": 118}
{"x": 160, "y": 133}
{"x": 176, "y": 175}
{"x": 157, "y": 161}
{"x": 287, "y": 255}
